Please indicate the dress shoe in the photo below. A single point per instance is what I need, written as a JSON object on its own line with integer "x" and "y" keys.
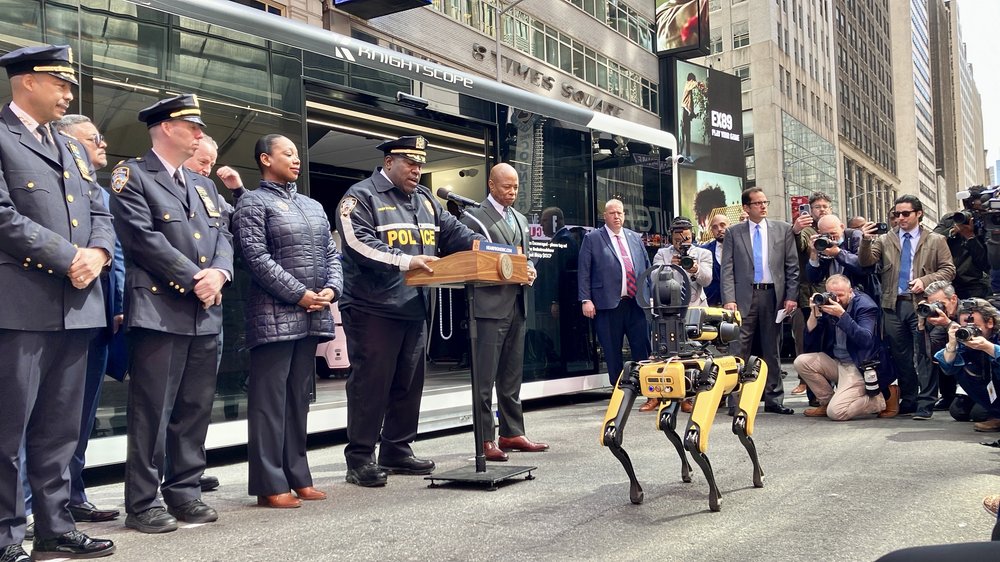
{"x": 153, "y": 520}
{"x": 279, "y": 501}
{"x": 309, "y": 494}
{"x": 992, "y": 503}
{"x": 800, "y": 389}
{"x": 368, "y": 475}
{"x": 778, "y": 409}
{"x": 14, "y": 553}
{"x": 194, "y": 511}
{"x": 687, "y": 405}
{"x": 208, "y": 483}
{"x": 817, "y": 412}
{"x": 923, "y": 414}
{"x": 493, "y": 453}
{"x": 73, "y": 544}
{"x": 992, "y": 424}
{"x": 87, "y": 512}
{"x": 814, "y": 402}
{"x": 408, "y": 465}
{"x": 891, "y": 404}
{"x": 650, "y": 405}
{"x": 521, "y": 443}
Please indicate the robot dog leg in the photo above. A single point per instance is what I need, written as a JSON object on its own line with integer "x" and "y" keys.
{"x": 753, "y": 377}
{"x": 716, "y": 378}
{"x": 667, "y": 423}
{"x": 615, "y": 419}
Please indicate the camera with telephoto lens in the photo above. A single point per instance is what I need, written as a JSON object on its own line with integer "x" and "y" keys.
{"x": 826, "y": 297}
{"x": 823, "y": 243}
{"x": 927, "y": 309}
{"x": 967, "y": 332}
{"x": 687, "y": 262}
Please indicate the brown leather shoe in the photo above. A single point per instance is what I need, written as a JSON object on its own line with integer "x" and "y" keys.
{"x": 521, "y": 443}
{"x": 650, "y": 405}
{"x": 687, "y": 405}
{"x": 309, "y": 493}
{"x": 279, "y": 501}
{"x": 892, "y": 403}
{"x": 818, "y": 412}
{"x": 493, "y": 453}
{"x": 800, "y": 389}
{"x": 992, "y": 424}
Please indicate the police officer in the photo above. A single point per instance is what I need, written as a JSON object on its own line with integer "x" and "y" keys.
{"x": 178, "y": 256}
{"x": 389, "y": 224}
{"x": 55, "y": 240}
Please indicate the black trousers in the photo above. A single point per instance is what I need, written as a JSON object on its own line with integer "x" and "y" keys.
{"x": 613, "y": 325}
{"x": 42, "y": 382}
{"x": 500, "y": 361}
{"x": 169, "y": 407}
{"x": 759, "y": 336}
{"x": 277, "y": 405}
{"x": 918, "y": 381}
{"x": 385, "y": 385}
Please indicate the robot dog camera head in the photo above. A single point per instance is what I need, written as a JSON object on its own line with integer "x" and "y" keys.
{"x": 710, "y": 324}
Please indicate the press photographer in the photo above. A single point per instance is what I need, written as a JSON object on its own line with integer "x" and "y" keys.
{"x": 972, "y": 355}
{"x": 692, "y": 259}
{"x": 835, "y": 250}
{"x": 937, "y": 313}
{"x": 841, "y": 333}
{"x": 966, "y": 231}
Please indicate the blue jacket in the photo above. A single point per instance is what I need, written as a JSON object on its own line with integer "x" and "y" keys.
{"x": 858, "y": 322}
{"x": 600, "y": 272}
{"x": 713, "y": 292}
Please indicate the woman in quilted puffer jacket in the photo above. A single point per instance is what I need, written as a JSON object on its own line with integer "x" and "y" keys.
{"x": 295, "y": 270}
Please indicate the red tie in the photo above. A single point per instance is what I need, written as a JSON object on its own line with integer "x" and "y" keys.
{"x": 629, "y": 270}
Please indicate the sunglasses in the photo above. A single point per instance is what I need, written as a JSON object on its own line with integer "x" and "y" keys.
{"x": 904, "y": 214}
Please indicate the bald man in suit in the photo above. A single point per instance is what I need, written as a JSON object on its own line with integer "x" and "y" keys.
{"x": 760, "y": 275}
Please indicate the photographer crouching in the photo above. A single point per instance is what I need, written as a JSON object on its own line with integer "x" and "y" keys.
{"x": 972, "y": 355}
{"x": 842, "y": 325}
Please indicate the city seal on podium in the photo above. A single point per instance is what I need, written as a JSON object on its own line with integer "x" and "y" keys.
{"x": 505, "y": 267}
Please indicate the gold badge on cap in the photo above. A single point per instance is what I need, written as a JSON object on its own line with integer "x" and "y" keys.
{"x": 348, "y": 205}
{"x": 210, "y": 207}
{"x": 421, "y": 143}
{"x": 119, "y": 177}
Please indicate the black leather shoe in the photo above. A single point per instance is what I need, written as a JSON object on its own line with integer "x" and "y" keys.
{"x": 368, "y": 475}
{"x": 778, "y": 409}
{"x": 153, "y": 520}
{"x": 208, "y": 483}
{"x": 73, "y": 544}
{"x": 87, "y": 512}
{"x": 14, "y": 553}
{"x": 408, "y": 465}
{"x": 194, "y": 511}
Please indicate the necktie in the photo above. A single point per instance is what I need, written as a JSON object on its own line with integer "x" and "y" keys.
{"x": 629, "y": 270}
{"x": 509, "y": 216}
{"x": 905, "y": 265}
{"x": 758, "y": 256}
{"x": 179, "y": 180}
{"x": 46, "y": 140}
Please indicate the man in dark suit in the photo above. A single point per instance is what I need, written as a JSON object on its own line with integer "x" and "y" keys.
{"x": 500, "y": 311}
{"x": 178, "y": 257}
{"x": 55, "y": 240}
{"x": 718, "y": 228}
{"x": 611, "y": 260}
{"x": 760, "y": 276}
{"x": 83, "y": 130}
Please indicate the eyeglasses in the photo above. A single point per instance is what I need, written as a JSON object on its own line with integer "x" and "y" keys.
{"x": 904, "y": 214}
{"x": 760, "y": 203}
{"x": 97, "y": 139}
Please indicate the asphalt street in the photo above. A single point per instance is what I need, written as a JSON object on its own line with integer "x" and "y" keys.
{"x": 832, "y": 491}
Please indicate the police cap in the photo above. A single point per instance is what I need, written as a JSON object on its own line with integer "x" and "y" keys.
{"x": 184, "y": 107}
{"x": 56, "y": 60}
{"x": 413, "y": 148}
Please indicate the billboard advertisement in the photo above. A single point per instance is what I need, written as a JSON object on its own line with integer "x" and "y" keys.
{"x": 705, "y": 194}
{"x": 708, "y": 118}
{"x": 682, "y": 27}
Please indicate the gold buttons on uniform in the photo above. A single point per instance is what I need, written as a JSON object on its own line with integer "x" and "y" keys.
{"x": 75, "y": 222}
{"x": 66, "y": 174}
{"x": 50, "y": 272}
{"x": 166, "y": 216}
{"x": 181, "y": 289}
{"x": 27, "y": 259}
{"x": 203, "y": 259}
{"x": 153, "y": 288}
{"x": 69, "y": 198}
{"x": 197, "y": 236}
{"x": 39, "y": 266}
{"x": 171, "y": 283}
{"x": 77, "y": 246}
{"x": 31, "y": 185}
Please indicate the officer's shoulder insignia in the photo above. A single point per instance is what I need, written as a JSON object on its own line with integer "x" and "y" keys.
{"x": 119, "y": 177}
{"x": 348, "y": 205}
{"x": 210, "y": 207}
{"x": 84, "y": 168}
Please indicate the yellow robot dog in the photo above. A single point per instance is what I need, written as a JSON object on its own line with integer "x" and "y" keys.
{"x": 682, "y": 366}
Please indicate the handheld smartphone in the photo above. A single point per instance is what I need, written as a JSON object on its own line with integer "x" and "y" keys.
{"x": 881, "y": 227}
{"x": 804, "y": 209}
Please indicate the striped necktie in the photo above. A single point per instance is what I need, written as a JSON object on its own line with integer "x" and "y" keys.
{"x": 629, "y": 270}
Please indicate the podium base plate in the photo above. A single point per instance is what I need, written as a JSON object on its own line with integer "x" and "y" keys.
{"x": 492, "y": 476}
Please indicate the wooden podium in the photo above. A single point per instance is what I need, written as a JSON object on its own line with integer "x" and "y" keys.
{"x": 471, "y": 269}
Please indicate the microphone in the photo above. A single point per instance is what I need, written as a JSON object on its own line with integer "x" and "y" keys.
{"x": 446, "y": 193}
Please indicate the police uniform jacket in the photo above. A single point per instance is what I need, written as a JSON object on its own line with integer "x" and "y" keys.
{"x": 168, "y": 236}
{"x": 284, "y": 238}
{"x": 381, "y": 227}
{"x": 49, "y": 207}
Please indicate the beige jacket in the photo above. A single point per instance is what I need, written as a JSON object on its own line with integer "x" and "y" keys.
{"x": 931, "y": 261}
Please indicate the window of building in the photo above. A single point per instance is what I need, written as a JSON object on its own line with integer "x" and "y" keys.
{"x": 743, "y": 72}
{"x": 741, "y": 34}
{"x": 269, "y": 6}
{"x": 715, "y": 40}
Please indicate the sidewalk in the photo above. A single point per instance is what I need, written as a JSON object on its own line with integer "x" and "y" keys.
{"x": 832, "y": 491}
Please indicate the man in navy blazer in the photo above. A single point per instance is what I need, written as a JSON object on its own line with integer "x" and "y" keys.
{"x": 608, "y": 288}
{"x": 718, "y": 228}
{"x": 843, "y": 333}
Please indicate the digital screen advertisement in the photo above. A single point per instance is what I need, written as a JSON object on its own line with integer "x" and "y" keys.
{"x": 682, "y": 27}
